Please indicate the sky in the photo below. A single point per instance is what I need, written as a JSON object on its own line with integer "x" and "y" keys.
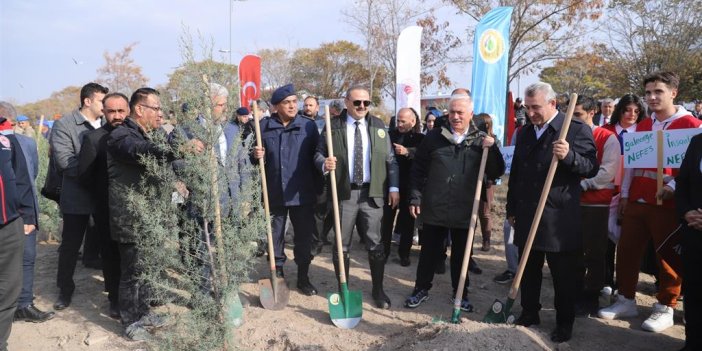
{"x": 47, "y": 45}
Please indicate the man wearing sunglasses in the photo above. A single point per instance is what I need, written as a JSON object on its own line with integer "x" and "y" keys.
{"x": 366, "y": 174}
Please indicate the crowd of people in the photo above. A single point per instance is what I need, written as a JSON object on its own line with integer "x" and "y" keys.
{"x": 416, "y": 176}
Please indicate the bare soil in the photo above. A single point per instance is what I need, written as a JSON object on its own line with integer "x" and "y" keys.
{"x": 305, "y": 323}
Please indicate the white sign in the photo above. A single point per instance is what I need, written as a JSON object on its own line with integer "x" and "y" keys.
{"x": 641, "y": 148}
{"x": 507, "y": 155}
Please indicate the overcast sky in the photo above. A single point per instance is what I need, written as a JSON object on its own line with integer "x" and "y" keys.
{"x": 47, "y": 45}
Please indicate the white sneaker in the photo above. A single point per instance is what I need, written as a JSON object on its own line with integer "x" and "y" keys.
{"x": 661, "y": 319}
{"x": 606, "y": 291}
{"x": 623, "y": 308}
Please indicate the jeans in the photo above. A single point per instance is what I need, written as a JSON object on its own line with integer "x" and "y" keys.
{"x": 26, "y": 296}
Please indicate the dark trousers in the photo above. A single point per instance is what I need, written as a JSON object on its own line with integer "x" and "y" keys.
{"x": 692, "y": 287}
{"x": 26, "y": 296}
{"x": 592, "y": 267}
{"x": 109, "y": 251}
{"x": 403, "y": 226}
{"x": 484, "y": 211}
{"x": 302, "y": 219}
{"x": 609, "y": 264}
{"x": 11, "y": 242}
{"x": 92, "y": 243}
{"x": 564, "y": 271}
{"x": 74, "y": 226}
{"x": 432, "y": 252}
{"x": 323, "y": 219}
{"x": 133, "y": 294}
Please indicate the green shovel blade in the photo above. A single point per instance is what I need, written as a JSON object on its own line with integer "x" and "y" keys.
{"x": 345, "y": 307}
{"x": 499, "y": 312}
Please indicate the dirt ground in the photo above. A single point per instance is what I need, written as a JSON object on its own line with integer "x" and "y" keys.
{"x": 305, "y": 323}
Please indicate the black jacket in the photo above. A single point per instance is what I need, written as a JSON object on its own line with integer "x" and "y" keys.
{"x": 92, "y": 165}
{"x": 15, "y": 182}
{"x": 411, "y": 141}
{"x": 560, "y": 226}
{"x": 688, "y": 183}
{"x": 125, "y": 145}
{"x": 444, "y": 176}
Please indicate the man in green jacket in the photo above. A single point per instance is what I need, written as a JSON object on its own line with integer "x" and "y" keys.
{"x": 366, "y": 174}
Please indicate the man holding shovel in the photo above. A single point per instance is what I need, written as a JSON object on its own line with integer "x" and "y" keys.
{"x": 559, "y": 235}
{"x": 289, "y": 142}
{"x": 442, "y": 187}
{"x": 366, "y": 171}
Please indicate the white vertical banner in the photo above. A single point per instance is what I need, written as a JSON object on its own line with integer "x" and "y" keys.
{"x": 408, "y": 65}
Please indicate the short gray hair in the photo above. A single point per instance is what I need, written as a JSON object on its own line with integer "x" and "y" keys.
{"x": 542, "y": 87}
{"x": 456, "y": 97}
{"x": 218, "y": 90}
{"x": 606, "y": 101}
{"x": 7, "y": 110}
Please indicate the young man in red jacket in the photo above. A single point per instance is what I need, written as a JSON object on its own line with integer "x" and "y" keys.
{"x": 643, "y": 219}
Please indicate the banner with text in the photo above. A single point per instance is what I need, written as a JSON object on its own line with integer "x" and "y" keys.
{"x": 641, "y": 148}
{"x": 507, "y": 154}
{"x": 408, "y": 66}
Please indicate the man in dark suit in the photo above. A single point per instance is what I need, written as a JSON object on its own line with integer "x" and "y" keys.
{"x": 367, "y": 173}
{"x": 405, "y": 139}
{"x": 559, "y": 236}
{"x": 688, "y": 200}
{"x": 92, "y": 170}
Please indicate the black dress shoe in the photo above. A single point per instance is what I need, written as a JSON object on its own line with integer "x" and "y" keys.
{"x": 114, "y": 310}
{"x": 279, "y": 273}
{"x": 381, "y": 300}
{"x": 32, "y": 314}
{"x": 404, "y": 262}
{"x": 62, "y": 303}
{"x": 307, "y": 288}
{"x": 528, "y": 319}
{"x": 561, "y": 334}
{"x": 473, "y": 268}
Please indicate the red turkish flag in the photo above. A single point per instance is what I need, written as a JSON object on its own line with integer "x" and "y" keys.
{"x": 249, "y": 79}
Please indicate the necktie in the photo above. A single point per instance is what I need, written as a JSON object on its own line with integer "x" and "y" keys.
{"x": 357, "y": 156}
{"x": 620, "y": 137}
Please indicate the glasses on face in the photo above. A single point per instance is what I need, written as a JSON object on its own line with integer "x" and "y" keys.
{"x": 358, "y": 103}
{"x": 156, "y": 109}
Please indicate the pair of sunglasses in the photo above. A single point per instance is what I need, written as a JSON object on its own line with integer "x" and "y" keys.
{"x": 365, "y": 103}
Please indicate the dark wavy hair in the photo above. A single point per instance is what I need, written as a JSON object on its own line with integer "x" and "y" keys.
{"x": 625, "y": 101}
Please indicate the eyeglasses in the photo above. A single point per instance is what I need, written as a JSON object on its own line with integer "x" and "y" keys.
{"x": 156, "y": 108}
{"x": 365, "y": 103}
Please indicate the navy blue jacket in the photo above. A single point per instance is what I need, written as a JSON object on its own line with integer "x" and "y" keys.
{"x": 15, "y": 184}
{"x": 290, "y": 173}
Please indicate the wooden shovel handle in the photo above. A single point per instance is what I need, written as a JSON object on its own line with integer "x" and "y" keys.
{"x": 471, "y": 228}
{"x": 335, "y": 198}
{"x": 542, "y": 201}
{"x": 264, "y": 187}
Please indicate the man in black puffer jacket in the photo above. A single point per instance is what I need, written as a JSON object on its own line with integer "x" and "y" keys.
{"x": 443, "y": 184}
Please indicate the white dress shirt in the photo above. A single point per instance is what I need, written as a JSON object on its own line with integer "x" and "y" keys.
{"x": 540, "y": 131}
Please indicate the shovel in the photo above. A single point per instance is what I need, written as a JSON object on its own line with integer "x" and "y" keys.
{"x": 469, "y": 243}
{"x": 345, "y": 307}
{"x": 274, "y": 292}
{"x": 501, "y": 312}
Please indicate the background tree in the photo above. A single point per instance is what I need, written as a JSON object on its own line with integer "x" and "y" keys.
{"x": 648, "y": 36}
{"x": 541, "y": 31}
{"x": 586, "y": 73}
{"x": 120, "y": 73}
{"x": 380, "y": 22}
{"x": 276, "y": 70}
{"x": 180, "y": 82}
{"x": 331, "y": 69}
{"x": 60, "y": 102}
